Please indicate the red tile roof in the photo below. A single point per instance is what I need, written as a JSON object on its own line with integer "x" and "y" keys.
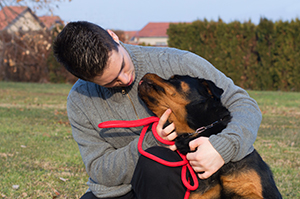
{"x": 49, "y": 21}
{"x": 129, "y": 35}
{"x": 154, "y": 29}
{"x": 8, "y": 14}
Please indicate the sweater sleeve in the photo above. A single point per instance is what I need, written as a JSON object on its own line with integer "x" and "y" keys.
{"x": 235, "y": 141}
{"x": 110, "y": 169}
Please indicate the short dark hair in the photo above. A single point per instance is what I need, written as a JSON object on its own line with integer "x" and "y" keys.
{"x": 83, "y": 48}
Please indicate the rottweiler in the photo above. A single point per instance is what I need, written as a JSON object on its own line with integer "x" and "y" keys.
{"x": 197, "y": 111}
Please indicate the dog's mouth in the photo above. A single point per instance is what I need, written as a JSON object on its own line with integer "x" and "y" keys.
{"x": 152, "y": 93}
{"x": 147, "y": 85}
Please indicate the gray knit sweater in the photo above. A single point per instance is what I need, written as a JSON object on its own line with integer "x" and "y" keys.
{"x": 110, "y": 155}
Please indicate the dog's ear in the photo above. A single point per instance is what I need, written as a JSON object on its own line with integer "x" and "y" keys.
{"x": 212, "y": 89}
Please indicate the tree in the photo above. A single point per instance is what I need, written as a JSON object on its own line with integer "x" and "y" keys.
{"x": 23, "y": 53}
{"x": 33, "y": 4}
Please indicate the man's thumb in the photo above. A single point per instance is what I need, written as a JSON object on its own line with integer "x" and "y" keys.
{"x": 197, "y": 142}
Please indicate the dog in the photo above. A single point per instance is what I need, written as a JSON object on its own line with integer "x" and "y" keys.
{"x": 196, "y": 104}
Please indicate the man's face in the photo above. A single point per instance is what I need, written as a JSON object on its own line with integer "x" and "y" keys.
{"x": 119, "y": 71}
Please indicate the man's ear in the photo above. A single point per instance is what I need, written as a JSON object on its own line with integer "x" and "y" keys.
{"x": 113, "y": 35}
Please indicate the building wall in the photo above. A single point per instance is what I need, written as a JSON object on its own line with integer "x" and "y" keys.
{"x": 154, "y": 41}
{"x": 26, "y": 22}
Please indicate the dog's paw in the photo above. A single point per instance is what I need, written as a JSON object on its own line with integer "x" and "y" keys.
{"x": 182, "y": 143}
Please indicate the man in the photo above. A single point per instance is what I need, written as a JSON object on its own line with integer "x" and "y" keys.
{"x": 109, "y": 72}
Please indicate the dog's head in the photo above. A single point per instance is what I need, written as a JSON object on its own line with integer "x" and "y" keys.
{"x": 194, "y": 102}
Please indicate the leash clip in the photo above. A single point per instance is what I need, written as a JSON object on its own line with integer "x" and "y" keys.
{"x": 198, "y": 131}
{"x": 203, "y": 128}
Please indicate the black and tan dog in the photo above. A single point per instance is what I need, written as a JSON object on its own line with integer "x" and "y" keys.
{"x": 196, "y": 103}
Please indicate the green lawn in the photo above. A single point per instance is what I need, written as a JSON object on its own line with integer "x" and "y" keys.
{"x": 40, "y": 159}
{"x": 37, "y": 150}
{"x": 278, "y": 138}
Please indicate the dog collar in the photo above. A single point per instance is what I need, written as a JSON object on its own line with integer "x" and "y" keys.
{"x": 204, "y": 128}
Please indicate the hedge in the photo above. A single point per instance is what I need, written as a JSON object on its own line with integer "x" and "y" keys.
{"x": 257, "y": 57}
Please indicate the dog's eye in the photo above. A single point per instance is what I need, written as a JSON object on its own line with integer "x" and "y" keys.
{"x": 174, "y": 81}
{"x": 158, "y": 88}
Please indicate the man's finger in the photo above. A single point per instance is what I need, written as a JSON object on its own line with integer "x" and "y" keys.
{"x": 168, "y": 130}
{"x": 173, "y": 147}
{"x": 172, "y": 136}
{"x": 163, "y": 119}
{"x": 205, "y": 175}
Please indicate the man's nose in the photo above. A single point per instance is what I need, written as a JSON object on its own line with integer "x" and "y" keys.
{"x": 123, "y": 78}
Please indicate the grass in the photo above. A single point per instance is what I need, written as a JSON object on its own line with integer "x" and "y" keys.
{"x": 278, "y": 139}
{"x": 38, "y": 156}
{"x": 40, "y": 159}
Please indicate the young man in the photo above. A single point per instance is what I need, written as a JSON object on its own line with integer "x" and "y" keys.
{"x": 109, "y": 73}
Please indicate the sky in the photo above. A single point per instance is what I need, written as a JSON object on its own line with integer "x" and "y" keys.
{"x": 130, "y": 15}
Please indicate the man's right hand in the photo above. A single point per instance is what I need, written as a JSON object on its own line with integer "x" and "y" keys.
{"x": 167, "y": 133}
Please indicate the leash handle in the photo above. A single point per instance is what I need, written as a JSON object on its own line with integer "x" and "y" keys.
{"x": 186, "y": 180}
{"x": 146, "y": 123}
{"x": 136, "y": 123}
{"x": 128, "y": 123}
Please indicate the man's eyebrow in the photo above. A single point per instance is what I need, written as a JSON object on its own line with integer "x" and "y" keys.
{"x": 122, "y": 66}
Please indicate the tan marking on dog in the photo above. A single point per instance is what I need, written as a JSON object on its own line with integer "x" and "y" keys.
{"x": 208, "y": 90}
{"x": 212, "y": 193}
{"x": 246, "y": 184}
{"x": 185, "y": 87}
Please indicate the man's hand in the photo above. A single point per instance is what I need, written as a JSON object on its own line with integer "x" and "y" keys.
{"x": 168, "y": 132}
{"x": 205, "y": 160}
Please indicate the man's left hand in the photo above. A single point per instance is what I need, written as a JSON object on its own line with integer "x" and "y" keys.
{"x": 205, "y": 160}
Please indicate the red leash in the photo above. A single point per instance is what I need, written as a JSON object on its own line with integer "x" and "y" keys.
{"x": 146, "y": 123}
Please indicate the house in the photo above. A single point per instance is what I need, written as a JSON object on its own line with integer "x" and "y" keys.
{"x": 15, "y": 18}
{"x": 51, "y": 21}
{"x": 154, "y": 34}
{"x": 129, "y": 37}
